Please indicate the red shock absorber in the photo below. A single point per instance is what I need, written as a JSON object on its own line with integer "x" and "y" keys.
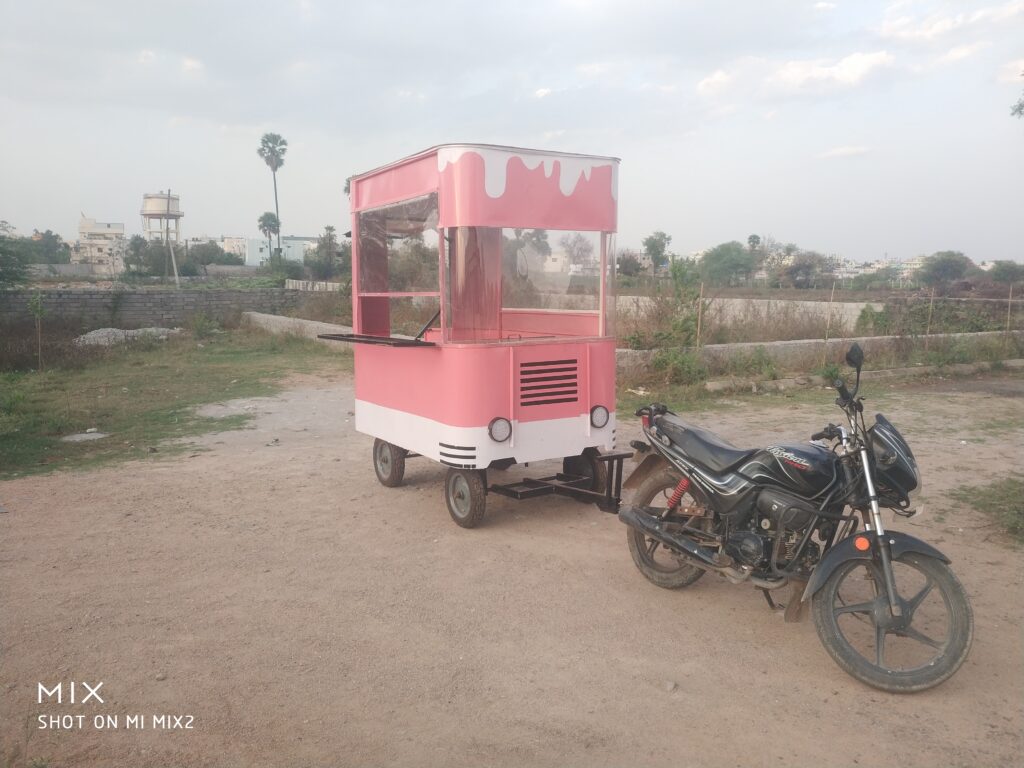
{"x": 677, "y": 494}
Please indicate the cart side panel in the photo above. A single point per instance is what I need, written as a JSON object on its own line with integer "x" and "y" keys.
{"x": 460, "y": 386}
{"x": 407, "y": 180}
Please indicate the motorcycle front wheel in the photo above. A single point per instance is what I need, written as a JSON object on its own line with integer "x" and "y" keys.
{"x": 904, "y": 654}
{"x": 659, "y": 565}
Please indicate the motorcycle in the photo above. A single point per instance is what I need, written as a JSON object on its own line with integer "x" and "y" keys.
{"x": 886, "y": 605}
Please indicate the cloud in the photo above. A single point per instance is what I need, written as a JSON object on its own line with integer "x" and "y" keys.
{"x": 594, "y": 68}
{"x": 961, "y": 52}
{"x": 540, "y": 93}
{"x": 714, "y": 83}
{"x": 146, "y": 57}
{"x": 824, "y": 6}
{"x": 846, "y": 151}
{"x": 848, "y": 71}
{"x": 937, "y": 25}
{"x": 1012, "y": 72}
{"x": 190, "y": 65}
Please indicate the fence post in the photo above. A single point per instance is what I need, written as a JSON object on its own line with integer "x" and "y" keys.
{"x": 700, "y": 312}
{"x": 928, "y": 328}
{"x": 828, "y": 324}
{"x": 1009, "y": 312}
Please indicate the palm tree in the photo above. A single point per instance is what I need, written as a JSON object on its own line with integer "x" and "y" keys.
{"x": 269, "y": 225}
{"x": 272, "y": 149}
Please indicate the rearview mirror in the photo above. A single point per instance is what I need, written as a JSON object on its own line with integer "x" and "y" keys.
{"x": 855, "y": 357}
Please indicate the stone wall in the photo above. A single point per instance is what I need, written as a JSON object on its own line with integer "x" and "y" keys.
{"x": 94, "y": 308}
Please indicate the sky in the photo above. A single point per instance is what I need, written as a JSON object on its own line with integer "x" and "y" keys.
{"x": 870, "y": 130}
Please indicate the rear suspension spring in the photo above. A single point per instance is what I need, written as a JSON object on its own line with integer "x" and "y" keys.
{"x": 677, "y": 494}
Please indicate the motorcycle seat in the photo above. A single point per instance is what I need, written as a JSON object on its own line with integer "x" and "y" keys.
{"x": 701, "y": 445}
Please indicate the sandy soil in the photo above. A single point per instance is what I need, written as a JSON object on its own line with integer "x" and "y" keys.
{"x": 301, "y": 614}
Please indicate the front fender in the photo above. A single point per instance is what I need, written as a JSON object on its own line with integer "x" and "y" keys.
{"x": 845, "y": 550}
{"x": 651, "y": 464}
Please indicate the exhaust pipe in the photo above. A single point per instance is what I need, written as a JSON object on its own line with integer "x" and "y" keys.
{"x": 702, "y": 557}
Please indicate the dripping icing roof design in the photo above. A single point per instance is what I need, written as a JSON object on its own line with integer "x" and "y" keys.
{"x": 451, "y": 152}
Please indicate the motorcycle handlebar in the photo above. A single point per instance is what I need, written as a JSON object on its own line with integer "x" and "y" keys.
{"x": 828, "y": 433}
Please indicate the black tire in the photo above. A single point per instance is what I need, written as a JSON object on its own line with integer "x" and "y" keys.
{"x": 465, "y": 492}
{"x": 587, "y": 465}
{"x": 388, "y": 463}
{"x": 931, "y": 647}
{"x": 659, "y": 565}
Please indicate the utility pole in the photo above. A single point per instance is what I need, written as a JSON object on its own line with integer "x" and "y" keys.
{"x": 167, "y": 239}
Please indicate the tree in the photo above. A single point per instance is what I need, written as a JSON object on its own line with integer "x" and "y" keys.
{"x": 1006, "y": 272}
{"x": 880, "y": 278}
{"x": 577, "y": 247}
{"x": 210, "y": 252}
{"x": 806, "y": 269}
{"x": 270, "y": 225}
{"x": 944, "y": 267}
{"x": 13, "y": 267}
{"x": 629, "y": 264}
{"x": 727, "y": 263}
{"x": 656, "y": 247}
{"x": 272, "y": 149}
{"x": 754, "y": 241}
{"x": 323, "y": 263}
{"x": 133, "y": 259}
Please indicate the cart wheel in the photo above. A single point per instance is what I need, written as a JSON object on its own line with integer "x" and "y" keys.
{"x": 388, "y": 463}
{"x": 465, "y": 490}
{"x": 587, "y": 465}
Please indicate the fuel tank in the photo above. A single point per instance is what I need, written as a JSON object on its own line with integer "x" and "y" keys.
{"x": 806, "y": 469}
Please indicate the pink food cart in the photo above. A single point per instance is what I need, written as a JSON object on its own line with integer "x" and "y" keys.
{"x": 483, "y": 317}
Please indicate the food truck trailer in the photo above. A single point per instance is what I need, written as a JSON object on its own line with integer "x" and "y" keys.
{"x": 483, "y": 319}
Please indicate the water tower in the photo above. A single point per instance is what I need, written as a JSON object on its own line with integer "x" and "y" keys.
{"x": 161, "y": 216}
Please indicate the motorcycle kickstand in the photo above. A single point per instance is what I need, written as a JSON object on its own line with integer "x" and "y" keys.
{"x": 793, "y": 610}
{"x": 776, "y": 607}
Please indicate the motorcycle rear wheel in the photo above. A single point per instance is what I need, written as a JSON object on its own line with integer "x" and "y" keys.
{"x": 851, "y": 615}
{"x": 658, "y": 565}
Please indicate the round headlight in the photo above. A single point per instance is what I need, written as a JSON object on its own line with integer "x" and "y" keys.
{"x": 599, "y": 416}
{"x": 499, "y": 429}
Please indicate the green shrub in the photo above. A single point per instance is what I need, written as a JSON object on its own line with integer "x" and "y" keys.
{"x": 679, "y": 366}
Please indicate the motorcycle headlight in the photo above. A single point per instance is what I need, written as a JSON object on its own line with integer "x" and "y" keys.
{"x": 599, "y": 416}
{"x": 499, "y": 429}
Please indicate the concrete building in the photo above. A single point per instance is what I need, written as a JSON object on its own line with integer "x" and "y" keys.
{"x": 100, "y": 244}
{"x": 293, "y": 248}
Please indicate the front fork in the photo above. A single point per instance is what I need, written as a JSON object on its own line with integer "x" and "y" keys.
{"x": 875, "y": 524}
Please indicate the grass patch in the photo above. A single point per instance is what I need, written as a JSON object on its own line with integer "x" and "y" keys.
{"x": 142, "y": 395}
{"x": 1003, "y": 501}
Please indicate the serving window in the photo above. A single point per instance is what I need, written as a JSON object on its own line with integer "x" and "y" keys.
{"x": 398, "y": 287}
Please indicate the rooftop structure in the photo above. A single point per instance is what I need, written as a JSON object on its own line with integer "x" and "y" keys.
{"x": 161, "y": 216}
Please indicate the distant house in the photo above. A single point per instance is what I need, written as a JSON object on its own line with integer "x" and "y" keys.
{"x": 293, "y": 248}
{"x": 100, "y": 244}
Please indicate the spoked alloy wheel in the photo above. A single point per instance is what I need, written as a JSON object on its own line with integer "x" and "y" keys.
{"x": 465, "y": 491}
{"x": 901, "y": 654}
{"x": 659, "y": 565}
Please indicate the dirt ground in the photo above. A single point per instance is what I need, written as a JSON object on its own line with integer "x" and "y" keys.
{"x": 302, "y": 615}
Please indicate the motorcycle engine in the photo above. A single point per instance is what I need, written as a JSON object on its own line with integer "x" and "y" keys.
{"x": 747, "y": 547}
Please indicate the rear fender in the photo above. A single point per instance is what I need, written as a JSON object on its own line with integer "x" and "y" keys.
{"x": 845, "y": 550}
{"x": 651, "y": 464}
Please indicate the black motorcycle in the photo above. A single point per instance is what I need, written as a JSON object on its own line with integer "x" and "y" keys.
{"x": 886, "y": 605}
